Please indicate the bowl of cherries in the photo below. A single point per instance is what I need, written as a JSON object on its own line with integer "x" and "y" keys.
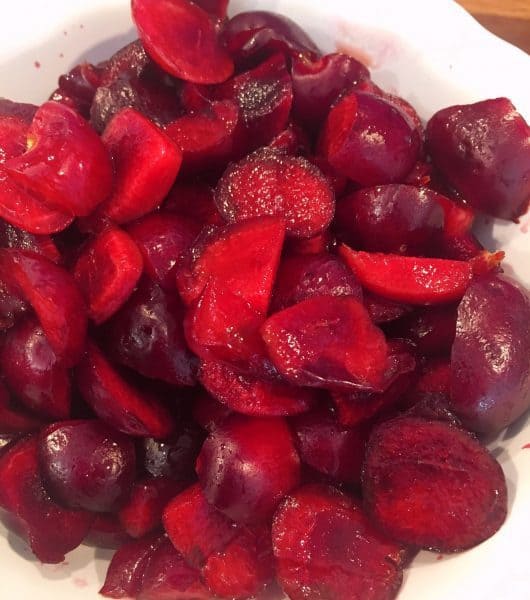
{"x": 264, "y": 318}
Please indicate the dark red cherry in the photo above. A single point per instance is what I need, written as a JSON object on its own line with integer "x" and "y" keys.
{"x": 87, "y": 464}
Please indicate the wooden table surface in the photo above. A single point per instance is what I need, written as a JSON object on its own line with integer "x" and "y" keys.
{"x": 509, "y": 19}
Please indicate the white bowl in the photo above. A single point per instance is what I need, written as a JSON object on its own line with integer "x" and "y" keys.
{"x": 434, "y": 54}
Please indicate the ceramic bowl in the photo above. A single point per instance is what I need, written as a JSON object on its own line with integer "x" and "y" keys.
{"x": 432, "y": 53}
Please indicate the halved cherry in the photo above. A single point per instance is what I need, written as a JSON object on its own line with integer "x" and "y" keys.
{"x": 18, "y": 206}
{"x": 402, "y": 219}
{"x": 268, "y": 182}
{"x": 432, "y": 485}
{"x": 318, "y": 83}
{"x": 66, "y": 166}
{"x": 54, "y": 297}
{"x": 410, "y": 279}
{"x": 116, "y": 402}
{"x": 147, "y": 335}
{"x": 52, "y": 531}
{"x": 87, "y": 464}
{"x": 146, "y": 161}
{"x": 327, "y": 341}
{"x": 324, "y": 544}
{"x": 31, "y": 370}
{"x": 181, "y": 37}
{"x": 230, "y": 467}
{"x": 107, "y": 272}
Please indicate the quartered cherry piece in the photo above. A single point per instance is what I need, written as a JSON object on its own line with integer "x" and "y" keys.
{"x": 127, "y": 567}
{"x": 409, "y": 279}
{"x": 146, "y": 164}
{"x": 24, "y": 209}
{"x": 244, "y": 567}
{"x": 142, "y": 513}
{"x": 117, "y": 402}
{"x": 13, "y": 135}
{"x": 169, "y": 577}
{"x": 107, "y": 272}
{"x": 244, "y": 257}
{"x": 399, "y": 219}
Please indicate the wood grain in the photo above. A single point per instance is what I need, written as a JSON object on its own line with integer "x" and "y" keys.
{"x": 509, "y": 19}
